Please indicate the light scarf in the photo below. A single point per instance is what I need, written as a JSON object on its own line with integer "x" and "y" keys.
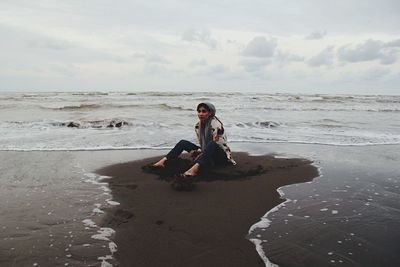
{"x": 205, "y": 133}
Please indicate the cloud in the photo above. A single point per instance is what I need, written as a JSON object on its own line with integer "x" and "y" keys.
{"x": 152, "y": 58}
{"x": 375, "y": 73}
{"x": 394, "y": 43}
{"x": 198, "y": 62}
{"x": 288, "y": 57}
{"x": 388, "y": 58}
{"x": 218, "y": 71}
{"x": 254, "y": 64}
{"x": 45, "y": 42}
{"x": 260, "y": 47}
{"x": 325, "y": 57}
{"x": 370, "y": 50}
{"x": 316, "y": 35}
{"x": 54, "y": 45}
{"x": 260, "y": 52}
{"x": 152, "y": 69}
{"x": 202, "y": 36}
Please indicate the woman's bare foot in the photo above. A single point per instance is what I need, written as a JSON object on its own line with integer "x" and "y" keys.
{"x": 193, "y": 170}
{"x": 160, "y": 163}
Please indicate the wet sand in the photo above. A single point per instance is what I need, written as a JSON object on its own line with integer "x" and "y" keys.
{"x": 158, "y": 226}
{"x": 44, "y": 199}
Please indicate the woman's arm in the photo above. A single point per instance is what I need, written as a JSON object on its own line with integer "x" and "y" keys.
{"x": 217, "y": 129}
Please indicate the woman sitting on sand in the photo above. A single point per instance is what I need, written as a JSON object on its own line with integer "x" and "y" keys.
{"x": 213, "y": 149}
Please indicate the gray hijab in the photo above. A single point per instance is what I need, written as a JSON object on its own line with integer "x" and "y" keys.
{"x": 205, "y": 128}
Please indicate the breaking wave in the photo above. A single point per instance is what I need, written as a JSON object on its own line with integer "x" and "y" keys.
{"x": 77, "y": 107}
{"x": 258, "y": 124}
{"x": 110, "y": 106}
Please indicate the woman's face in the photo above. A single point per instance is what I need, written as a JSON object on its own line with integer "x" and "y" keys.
{"x": 203, "y": 114}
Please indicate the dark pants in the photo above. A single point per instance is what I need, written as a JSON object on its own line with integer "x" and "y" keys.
{"x": 212, "y": 155}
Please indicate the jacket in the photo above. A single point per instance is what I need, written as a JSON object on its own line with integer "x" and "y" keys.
{"x": 219, "y": 136}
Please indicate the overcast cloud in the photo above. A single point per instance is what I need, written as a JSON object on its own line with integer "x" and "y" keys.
{"x": 260, "y": 47}
{"x": 316, "y": 35}
{"x": 305, "y": 46}
{"x": 325, "y": 57}
{"x": 385, "y": 53}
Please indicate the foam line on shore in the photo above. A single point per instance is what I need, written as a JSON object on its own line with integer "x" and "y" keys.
{"x": 103, "y": 233}
{"x": 265, "y": 222}
{"x": 149, "y": 147}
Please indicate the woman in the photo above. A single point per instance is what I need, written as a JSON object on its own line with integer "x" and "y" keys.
{"x": 213, "y": 149}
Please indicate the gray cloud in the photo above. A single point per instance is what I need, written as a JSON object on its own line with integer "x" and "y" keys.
{"x": 316, "y": 35}
{"x": 151, "y": 58}
{"x": 88, "y": 35}
{"x": 375, "y": 74}
{"x": 217, "y": 69}
{"x": 325, "y": 57}
{"x": 55, "y": 45}
{"x": 370, "y": 50}
{"x": 388, "y": 58}
{"x": 202, "y": 36}
{"x": 260, "y": 47}
{"x": 394, "y": 43}
{"x": 254, "y": 64}
{"x": 63, "y": 69}
{"x": 198, "y": 62}
{"x": 153, "y": 69}
{"x": 288, "y": 57}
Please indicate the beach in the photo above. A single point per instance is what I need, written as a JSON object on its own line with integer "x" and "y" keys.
{"x": 98, "y": 208}
{"x": 52, "y": 208}
{"x": 158, "y": 226}
{"x": 73, "y": 193}
{"x": 57, "y": 211}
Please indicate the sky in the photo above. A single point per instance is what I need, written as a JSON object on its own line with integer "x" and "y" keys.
{"x": 270, "y": 46}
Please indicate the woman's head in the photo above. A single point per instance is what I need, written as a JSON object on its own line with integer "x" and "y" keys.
{"x": 205, "y": 110}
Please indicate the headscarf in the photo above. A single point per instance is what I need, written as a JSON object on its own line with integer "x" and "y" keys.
{"x": 205, "y": 128}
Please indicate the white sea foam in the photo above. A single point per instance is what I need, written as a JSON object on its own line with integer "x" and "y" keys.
{"x": 104, "y": 233}
{"x": 112, "y": 203}
{"x": 89, "y": 223}
{"x": 104, "y": 261}
{"x": 262, "y": 224}
{"x": 113, "y": 247}
{"x": 265, "y": 222}
{"x": 259, "y": 248}
{"x": 97, "y": 210}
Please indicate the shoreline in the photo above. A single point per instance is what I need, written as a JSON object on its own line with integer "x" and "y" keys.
{"x": 209, "y": 226}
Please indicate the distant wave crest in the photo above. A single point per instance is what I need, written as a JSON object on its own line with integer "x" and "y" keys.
{"x": 257, "y": 124}
{"x": 93, "y": 106}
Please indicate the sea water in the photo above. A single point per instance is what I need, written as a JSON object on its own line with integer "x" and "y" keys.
{"x": 349, "y": 216}
{"x": 353, "y": 140}
{"x": 39, "y": 121}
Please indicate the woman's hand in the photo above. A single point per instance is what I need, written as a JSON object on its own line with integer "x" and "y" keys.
{"x": 215, "y": 138}
{"x": 195, "y": 154}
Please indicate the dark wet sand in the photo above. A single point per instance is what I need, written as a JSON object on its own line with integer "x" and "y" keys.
{"x": 158, "y": 226}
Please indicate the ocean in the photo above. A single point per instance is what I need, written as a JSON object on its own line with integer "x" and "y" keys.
{"x": 349, "y": 216}
{"x": 39, "y": 121}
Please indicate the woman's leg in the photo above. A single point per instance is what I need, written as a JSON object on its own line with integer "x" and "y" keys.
{"x": 213, "y": 154}
{"x": 181, "y": 146}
